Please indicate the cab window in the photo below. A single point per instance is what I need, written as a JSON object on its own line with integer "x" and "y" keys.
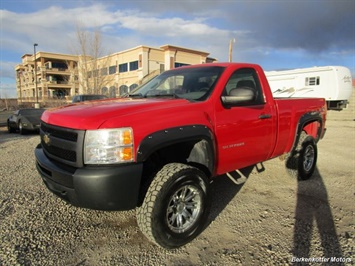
{"x": 247, "y": 79}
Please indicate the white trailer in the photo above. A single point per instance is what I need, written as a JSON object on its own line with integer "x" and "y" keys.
{"x": 334, "y": 83}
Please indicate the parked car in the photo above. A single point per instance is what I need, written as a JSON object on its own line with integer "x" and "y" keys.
{"x": 25, "y": 120}
{"x": 87, "y": 97}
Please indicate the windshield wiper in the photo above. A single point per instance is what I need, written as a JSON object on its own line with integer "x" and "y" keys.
{"x": 137, "y": 95}
{"x": 174, "y": 95}
{"x": 140, "y": 95}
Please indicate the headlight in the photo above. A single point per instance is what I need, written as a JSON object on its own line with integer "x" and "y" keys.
{"x": 107, "y": 146}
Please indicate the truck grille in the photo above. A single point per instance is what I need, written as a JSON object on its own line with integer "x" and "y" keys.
{"x": 67, "y": 134}
{"x": 60, "y": 153}
{"x": 61, "y": 144}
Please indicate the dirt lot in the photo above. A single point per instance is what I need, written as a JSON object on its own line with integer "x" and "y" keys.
{"x": 271, "y": 219}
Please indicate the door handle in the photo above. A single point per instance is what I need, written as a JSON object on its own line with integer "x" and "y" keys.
{"x": 265, "y": 116}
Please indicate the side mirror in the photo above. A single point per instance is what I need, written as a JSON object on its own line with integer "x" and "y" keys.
{"x": 239, "y": 96}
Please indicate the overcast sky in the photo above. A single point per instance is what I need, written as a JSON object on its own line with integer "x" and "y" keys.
{"x": 277, "y": 34}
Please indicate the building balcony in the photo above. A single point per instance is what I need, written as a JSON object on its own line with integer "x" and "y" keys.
{"x": 57, "y": 71}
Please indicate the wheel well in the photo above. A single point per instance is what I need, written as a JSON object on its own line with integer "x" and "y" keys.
{"x": 313, "y": 128}
{"x": 197, "y": 153}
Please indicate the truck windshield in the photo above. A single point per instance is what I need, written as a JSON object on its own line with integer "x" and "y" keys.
{"x": 194, "y": 84}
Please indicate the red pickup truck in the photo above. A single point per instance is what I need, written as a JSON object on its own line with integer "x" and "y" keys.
{"x": 157, "y": 149}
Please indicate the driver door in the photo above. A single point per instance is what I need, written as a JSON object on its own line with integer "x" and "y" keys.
{"x": 245, "y": 132}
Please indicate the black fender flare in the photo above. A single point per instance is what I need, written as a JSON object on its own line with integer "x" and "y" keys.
{"x": 203, "y": 151}
{"x": 304, "y": 120}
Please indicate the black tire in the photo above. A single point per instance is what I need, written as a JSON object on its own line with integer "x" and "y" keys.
{"x": 176, "y": 206}
{"x": 9, "y": 128}
{"x": 21, "y": 129}
{"x": 302, "y": 162}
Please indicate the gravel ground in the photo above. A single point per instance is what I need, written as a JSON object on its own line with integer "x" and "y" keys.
{"x": 271, "y": 219}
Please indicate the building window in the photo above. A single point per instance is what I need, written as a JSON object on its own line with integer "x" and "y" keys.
{"x": 103, "y": 71}
{"x": 123, "y": 67}
{"x": 133, "y": 86}
{"x": 180, "y": 64}
{"x": 112, "y": 92}
{"x": 59, "y": 65}
{"x": 133, "y": 65}
{"x": 123, "y": 89}
{"x": 104, "y": 90}
{"x": 112, "y": 70}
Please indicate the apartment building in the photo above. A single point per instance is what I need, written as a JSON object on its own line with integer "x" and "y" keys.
{"x": 55, "y": 76}
{"x": 60, "y": 76}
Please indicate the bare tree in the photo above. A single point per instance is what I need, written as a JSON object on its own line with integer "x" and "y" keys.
{"x": 4, "y": 98}
{"x": 91, "y": 66}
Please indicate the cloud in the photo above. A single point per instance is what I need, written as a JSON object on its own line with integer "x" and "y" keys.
{"x": 7, "y": 69}
{"x": 272, "y": 33}
{"x": 314, "y": 26}
{"x": 53, "y": 28}
{"x": 50, "y": 27}
{"x": 8, "y": 90}
{"x": 171, "y": 27}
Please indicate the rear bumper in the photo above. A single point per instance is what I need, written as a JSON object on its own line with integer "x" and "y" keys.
{"x": 100, "y": 188}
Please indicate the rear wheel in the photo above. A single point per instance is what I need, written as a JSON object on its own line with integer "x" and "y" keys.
{"x": 302, "y": 162}
{"x": 176, "y": 206}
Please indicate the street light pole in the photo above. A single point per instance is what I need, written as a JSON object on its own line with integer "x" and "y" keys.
{"x": 35, "y": 79}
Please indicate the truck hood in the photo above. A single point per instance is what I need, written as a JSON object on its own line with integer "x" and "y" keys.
{"x": 92, "y": 114}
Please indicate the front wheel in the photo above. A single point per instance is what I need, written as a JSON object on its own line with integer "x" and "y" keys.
{"x": 9, "y": 128}
{"x": 301, "y": 164}
{"x": 175, "y": 207}
{"x": 21, "y": 129}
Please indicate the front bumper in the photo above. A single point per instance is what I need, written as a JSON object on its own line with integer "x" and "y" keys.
{"x": 114, "y": 187}
{"x": 31, "y": 126}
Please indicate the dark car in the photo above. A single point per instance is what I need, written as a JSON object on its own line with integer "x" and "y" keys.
{"x": 87, "y": 97}
{"x": 25, "y": 120}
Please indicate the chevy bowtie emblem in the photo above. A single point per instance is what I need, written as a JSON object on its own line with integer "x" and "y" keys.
{"x": 46, "y": 139}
